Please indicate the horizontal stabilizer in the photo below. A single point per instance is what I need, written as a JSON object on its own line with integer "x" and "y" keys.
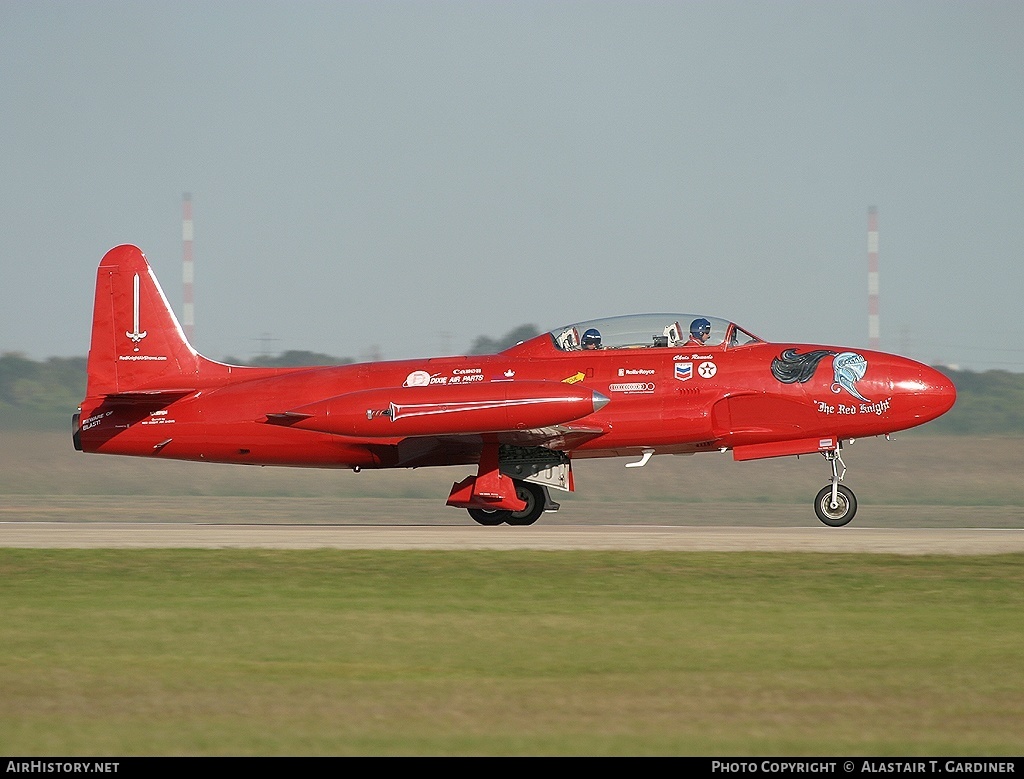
{"x": 148, "y": 396}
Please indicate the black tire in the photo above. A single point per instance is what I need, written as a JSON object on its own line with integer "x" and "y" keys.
{"x": 489, "y": 517}
{"x": 534, "y": 496}
{"x": 842, "y": 513}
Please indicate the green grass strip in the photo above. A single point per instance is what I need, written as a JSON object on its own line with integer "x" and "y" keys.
{"x": 238, "y": 652}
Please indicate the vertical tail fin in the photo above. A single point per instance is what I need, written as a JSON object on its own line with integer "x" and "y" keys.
{"x": 137, "y": 343}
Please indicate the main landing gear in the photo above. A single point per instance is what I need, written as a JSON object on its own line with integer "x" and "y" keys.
{"x": 500, "y": 492}
{"x": 534, "y": 495}
{"x": 835, "y": 504}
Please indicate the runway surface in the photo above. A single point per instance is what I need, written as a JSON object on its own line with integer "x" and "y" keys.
{"x": 141, "y": 535}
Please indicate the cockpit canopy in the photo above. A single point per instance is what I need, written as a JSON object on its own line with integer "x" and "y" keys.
{"x": 640, "y": 331}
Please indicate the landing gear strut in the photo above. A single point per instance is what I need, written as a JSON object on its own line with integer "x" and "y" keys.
{"x": 835, "y": 504}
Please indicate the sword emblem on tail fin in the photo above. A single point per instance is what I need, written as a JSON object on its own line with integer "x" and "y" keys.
{"x": 135, "y": 335}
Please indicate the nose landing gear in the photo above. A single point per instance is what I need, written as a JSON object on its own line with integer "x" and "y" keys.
{"x": 835, "y": 504}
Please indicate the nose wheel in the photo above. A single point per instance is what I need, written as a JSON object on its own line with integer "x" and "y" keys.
{"x": 837, "y": 511}
{"x": 835, "y": 504}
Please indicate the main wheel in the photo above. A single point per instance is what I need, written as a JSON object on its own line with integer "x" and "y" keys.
{"x": 842, "y": 512}
{"x": 533, "y": 494}
{"x": 489, "y": 517}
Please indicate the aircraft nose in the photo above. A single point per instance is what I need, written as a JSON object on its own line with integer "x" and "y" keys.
{"x": 931, "y": 393}
{"x": 941, "y": 390}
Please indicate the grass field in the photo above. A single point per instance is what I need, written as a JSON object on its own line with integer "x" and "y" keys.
{"x": 912, "y": 469}
{"x": 911, "y": 481}
{"x": 182, "y": 652}
{"x": 218, "y": 652}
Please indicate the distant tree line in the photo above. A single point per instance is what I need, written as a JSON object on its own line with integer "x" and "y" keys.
{"x": 44, "y": 394}
{"x": 294, "y": 358}
{"x": 40, "y": 395}
{"x": 988, "y": 403}
{"x": 485, "y": 345}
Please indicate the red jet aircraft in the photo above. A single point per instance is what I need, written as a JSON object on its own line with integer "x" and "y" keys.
{"x": 623, "y": 386}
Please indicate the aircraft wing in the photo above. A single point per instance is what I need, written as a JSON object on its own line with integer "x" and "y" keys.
{"x": 534, "y": 412}
{"x": 456, "y": 449}
{"x": 561, "y": 437}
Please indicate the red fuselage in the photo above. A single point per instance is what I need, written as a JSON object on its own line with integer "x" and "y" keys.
{"x": 621, "y": 386}
{"x": 670, "y": 399}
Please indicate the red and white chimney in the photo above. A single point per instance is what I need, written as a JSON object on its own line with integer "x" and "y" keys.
{"x": 188, "y": 272}
{"x": 873, "y": 330}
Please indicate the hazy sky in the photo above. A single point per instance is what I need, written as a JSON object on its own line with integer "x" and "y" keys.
{"x": 402, "y": 177}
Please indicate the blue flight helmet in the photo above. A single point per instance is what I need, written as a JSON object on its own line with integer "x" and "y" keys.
{"x": 700, "y": 328}
{"x": 591, "y": 339}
